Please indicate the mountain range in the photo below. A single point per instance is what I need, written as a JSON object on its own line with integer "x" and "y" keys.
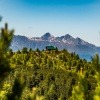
{"x": 77, "y": 45}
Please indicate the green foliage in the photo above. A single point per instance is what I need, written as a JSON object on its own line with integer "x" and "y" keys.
{"x": 96, "y": 63}
{"x": 24, "y": 50}
{"x": 46, "y": 75}
{"x": 96, "y": 66}
{"x": 5, "y": 40}
{"x": 17, "y": 89}
{"x": 7, "y": 91}
{"x": 30, "y": 50}
{"x": 37, "y": 50}
{"x": 0, "y": 18}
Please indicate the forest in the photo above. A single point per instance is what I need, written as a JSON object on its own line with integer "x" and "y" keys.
{"x": 46, "y": 75}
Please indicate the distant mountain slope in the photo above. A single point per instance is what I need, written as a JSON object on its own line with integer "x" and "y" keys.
{"x": 81, "y": 47}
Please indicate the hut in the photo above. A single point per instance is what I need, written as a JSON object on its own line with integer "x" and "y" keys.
{"x": 50, "y": 48}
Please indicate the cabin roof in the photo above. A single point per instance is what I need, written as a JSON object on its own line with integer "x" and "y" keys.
{"x": 50, "y": 47}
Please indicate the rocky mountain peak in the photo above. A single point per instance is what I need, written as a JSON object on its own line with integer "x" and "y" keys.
{"x": 80, "y": 41}
{"x": 77, "y": 45}
{"x": 47, "y": 36}
{"x": 67, "y": 36}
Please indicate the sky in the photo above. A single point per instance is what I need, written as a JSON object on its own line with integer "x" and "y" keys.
{"x": 79, "y": 18}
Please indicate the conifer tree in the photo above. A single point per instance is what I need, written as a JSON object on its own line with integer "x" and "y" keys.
{"x": 0, "y": 18}
{"x": 96, "y": 65}
{"x": 5, "y": 41}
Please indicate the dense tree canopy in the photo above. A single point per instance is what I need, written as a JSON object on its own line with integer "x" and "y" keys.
{"x": 46, "y": 75}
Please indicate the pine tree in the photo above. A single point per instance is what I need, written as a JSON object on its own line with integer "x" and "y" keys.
{"x": 96, "y": 65}
{"x": 5, "y": 41}
{"x": 0, "y": 18}
{"x": 25, "y": 50}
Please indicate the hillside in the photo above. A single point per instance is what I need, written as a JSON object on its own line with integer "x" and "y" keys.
{"x": 49, "y": 75}
{"x": 46, "y": 75}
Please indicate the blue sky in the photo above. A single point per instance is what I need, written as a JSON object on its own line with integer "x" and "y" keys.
{"x": 79, "y": 18}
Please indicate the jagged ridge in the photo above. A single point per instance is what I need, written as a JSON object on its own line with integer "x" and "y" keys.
{"x": 83, "y": 48}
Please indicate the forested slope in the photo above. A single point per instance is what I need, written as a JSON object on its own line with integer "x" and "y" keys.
{"x": 46, "y": 75}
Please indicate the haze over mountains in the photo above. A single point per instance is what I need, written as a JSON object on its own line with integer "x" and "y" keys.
{"x": 77, "y": 45}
